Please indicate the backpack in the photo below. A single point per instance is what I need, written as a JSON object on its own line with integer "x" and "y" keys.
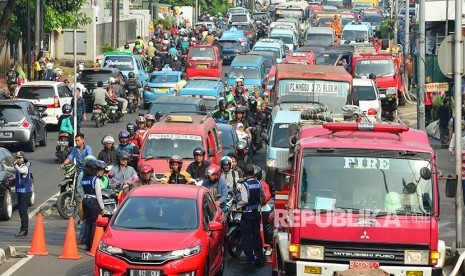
{"x": 37, "y": 66}
{"x": 266, "y": 189}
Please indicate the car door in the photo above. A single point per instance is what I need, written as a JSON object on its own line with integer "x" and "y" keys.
{"x": 7, "y": 179}
{"x": 216, "y": 237}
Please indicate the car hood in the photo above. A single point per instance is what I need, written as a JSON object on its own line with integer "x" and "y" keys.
{"x": 162, "y": 240}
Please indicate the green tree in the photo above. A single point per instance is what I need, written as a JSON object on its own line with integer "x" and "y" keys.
{"x": 6, "y": 21}
{"x": 214, "y": 6}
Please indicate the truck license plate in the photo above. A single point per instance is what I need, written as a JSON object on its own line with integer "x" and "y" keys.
{"x": 363, "y": 264}
{"x": 144, "y": 272}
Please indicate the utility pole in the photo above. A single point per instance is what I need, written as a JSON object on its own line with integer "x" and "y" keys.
{"x": 28, "y": 40}
{"x": 117, "y": 23}
{"x": 396, "y": 5}
{"x": 114, "y": 10}
{"x": 447, "y": 18}
{"x": 37, "y": 28}
{"x": 458, "y": 60}
{"x": 406, "y": 45}
{"x": 421, "y": 68}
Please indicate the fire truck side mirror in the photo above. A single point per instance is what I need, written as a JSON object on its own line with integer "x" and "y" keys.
{"x": 425, "y": 173}
{"x": 451, "y": 186}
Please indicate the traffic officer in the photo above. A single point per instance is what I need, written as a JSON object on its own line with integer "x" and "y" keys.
{"x": 92, "y": 204}
{"x": 198, "y": 168}
{"x": 252, "y": 196}
{"x": 23, "y": 185}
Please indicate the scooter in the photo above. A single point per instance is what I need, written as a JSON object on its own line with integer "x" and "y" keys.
{"x": 234, "y": 235}
{"x": 63, "y": 147}
{"x": 115, "y": 112}
{"x": 98, "y": 115}
{"x": 132, "y": 103}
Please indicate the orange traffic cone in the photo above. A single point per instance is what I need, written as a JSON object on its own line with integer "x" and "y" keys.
{"x": 97, "y": 236}
{"x": 70, "y": 250}
{"x": 38, "y": 246}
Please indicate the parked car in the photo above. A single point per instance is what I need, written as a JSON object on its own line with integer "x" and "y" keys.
{"x": 160, "y": 83}
{"x": 21, "y": 124}
{"x": 167, "y": 104}
{"x": 8, "y": 197}
{"x": 90, "y": 77}
{"x": 163, "y": 230}
{"x": 228, "y": 138}
{"x": 51, "y": 94}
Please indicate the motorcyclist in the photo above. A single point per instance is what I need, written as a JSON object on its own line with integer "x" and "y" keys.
{"x": 133, "y": 86}
{"x": 209, "y": 38}
{"x": 151, "y": 50}
{"x": 124, "y": 144}
{"x": 146, "y": 177}
{"x": 217, "y": 186}
{"x": 176, "y": 64}
{"x": 123, "y": 173}
{"x": 138, "y": 48}
{"x": 185, "y": 43}
{"x": 108, "y": 154}
{"x": 59, "y": 75}
{"x": 141, "y": 128}
{"x": 239, "y": 117}
{"x": 65, "y": 123}
{"x": 239, "y": 96}
{"x": 173, "y": 51}
{"x": 229, "y": 175}
{"x": 239, "y": 83}
{"x": 119, "y": 92}
{"x": 101, "y": 96}
{"x": 175, "y": 175}
{"x": 222, "y": 113}
{"x": 157, "y": 62}
{"x": 150, "y": 120}
{"x": 243, "y": 158}
{"x": 134, "y": 138}
{"x": 197, "y": 168}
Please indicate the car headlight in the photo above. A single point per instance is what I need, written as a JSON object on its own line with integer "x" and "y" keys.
{"x": 416, "y": 257}
{"x": 271, "y": 163}
{"x": 391, "y": 91}
{"x": 312, "y": 252}
{"x": 106, "y": 248}
{"x": 186, "y": 252}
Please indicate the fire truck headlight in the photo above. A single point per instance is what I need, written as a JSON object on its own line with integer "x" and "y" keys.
{"x": 416, "y": 257}
{"x": 391, "y": 91}
{"x": 312, "y": 252}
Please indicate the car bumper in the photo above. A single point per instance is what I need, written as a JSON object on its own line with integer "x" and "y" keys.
{"x": 19, "y": 136}
{"x": 52, "y": 115}
{"x": 195, "y": 72}
{"x": 119, "y": 267}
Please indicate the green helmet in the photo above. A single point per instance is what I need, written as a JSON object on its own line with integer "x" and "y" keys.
{"x": 87, "y": 158}
{"x": 392, "y": 201}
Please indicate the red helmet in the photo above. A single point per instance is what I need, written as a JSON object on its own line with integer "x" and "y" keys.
{"x": 213, "y": 170}
{"x": 145, "y": 168}
{"x": 204, "y": 24}
{"x": 176, "y": 159}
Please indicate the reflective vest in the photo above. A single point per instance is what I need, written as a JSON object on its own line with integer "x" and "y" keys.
{"x": 24, "y": 181}
{"x": 88, "y": 185}
{"x": 254, "y": 188}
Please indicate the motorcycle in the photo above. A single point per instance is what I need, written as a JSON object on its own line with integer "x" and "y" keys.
{"x": 66, "y": 201}
{"x": 63, "y": 147}
{"x": 115, "y": 112}
{"x": 234, "y": 235}
{"x": 132, "y": 103}
{"x": 98, "y": 115}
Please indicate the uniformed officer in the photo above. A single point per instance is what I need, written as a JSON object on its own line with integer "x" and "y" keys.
{"x": 252, "y": 196}
{"x": 23, "y": 186}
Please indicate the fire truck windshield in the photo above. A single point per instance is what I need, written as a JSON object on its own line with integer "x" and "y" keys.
{"x": 380, "y": 67}
{"x": 376, "y": 185}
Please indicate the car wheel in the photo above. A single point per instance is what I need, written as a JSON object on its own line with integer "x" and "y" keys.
{"x": 31, "y": 145}
{"x": 7, "y": 206}
{"x": 43, "y": 143}
{"x": 32, "y": 199}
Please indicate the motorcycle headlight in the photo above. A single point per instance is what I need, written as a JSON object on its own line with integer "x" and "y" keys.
{"x": 391, "y": 91}
{"x": 186, "y": 252}
{"x": 271, "y": 163}
{"x": 106, "y": 248}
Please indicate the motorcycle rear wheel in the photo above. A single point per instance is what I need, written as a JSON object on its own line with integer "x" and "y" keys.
{"x": 235, "y": 243}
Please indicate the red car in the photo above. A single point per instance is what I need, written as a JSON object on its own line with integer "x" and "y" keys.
{"x": 163, "y": 230}
{"x": 204, "y": 61}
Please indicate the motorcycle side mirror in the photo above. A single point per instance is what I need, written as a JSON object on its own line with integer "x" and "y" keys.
{"x": 136, "y": 150}
{"x": 215, "y": 226}
{"x": 451, "y": 186}
{"x": 43, "y": 115}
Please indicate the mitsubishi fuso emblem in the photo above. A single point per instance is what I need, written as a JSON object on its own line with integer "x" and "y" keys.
{"x": 365, "y": 235}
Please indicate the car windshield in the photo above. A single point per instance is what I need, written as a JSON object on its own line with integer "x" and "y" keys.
{"x": 287, "y": 39}
{"x": 36, "y": 92}
{"x": 227, "y": 139}
{"x": 165, "y": 145}
{"x": 210, "y": 101}
{"x": 353, "y": 35}
{"x": 268, "y": 63}
{"x": 95, "y": 76}
{"x": 326, "y": 59}
{"x": 258, "y": 16}
{"x": 164, "y": 78}
{"x": 373, "y": 18}
{"x": 247, "y": 72}
{"x": 229, "y": 44}
{"x": 364, "y": 68}
{"x": 11, "y": 113}
{"x": 123, "y": 63}
{"x": 157, "y": 213}
{"x": 280, "y": 136}
{"x": 365, "y": 93}
{"x": 268, "y": 49}
{"x": 239, "y": 18}
{"x": 363, "y": 5}
{"x": 330, "y": 93}
{"x": 346, "y": 20}
{"x": 387, "y": 184}
{"x": 166, "y": 108}
{"x": 320, "y": 39}
{"x": 202, "y": 53}
{"x": 322, "y": 21}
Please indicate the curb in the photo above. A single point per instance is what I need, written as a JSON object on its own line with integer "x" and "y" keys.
{"x": 6, "y": 253}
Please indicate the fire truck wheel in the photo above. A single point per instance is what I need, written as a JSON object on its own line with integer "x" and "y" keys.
{"x": 401, "y": 99}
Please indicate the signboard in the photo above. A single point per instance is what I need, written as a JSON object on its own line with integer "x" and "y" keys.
{"x": 289, "y": 12}
{"x": 437, "y": 87}
{"x": 316, "y": 87}
{"x": 175, "y": 137}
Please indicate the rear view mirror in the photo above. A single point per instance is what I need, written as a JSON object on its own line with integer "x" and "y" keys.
{"x": 211, "y": 152}
{"x": 215, "y": 226}
{"x": 102, "y": 222}
{"x": 451, "y": 186}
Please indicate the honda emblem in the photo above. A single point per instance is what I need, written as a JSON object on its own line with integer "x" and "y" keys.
{"x": 146, "y": 256}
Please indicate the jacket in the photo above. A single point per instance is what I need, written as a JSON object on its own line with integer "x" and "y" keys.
{"x": 180, "y": 178}
{"x": 65, "y": 124}
{"x": 23, "y": 180}
{"x": 109, "y": 156}
{"x": 101, "y": 96}
{"x": 196, "y": 171}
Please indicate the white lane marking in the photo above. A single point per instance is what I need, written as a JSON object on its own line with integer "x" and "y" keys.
{"x": 36, "y": 210}
{"x": 17, "y": 266}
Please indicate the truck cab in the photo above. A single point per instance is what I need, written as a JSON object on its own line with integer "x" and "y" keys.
{"x": 356, "y": 32}
{"x": 361, "y": 197}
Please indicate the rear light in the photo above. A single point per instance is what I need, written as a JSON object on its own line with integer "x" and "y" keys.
{"x": 215, "y": 65}
{"x": 25, "y": 124}
{"x": 147, "y": 88}
{"x": 56, "y": 103}
{"x": 248, "y": 33}
{"x": 372, "y": 111}
{"x": 365, "y": 127}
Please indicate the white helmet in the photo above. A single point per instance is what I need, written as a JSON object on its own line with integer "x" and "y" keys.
{"x": 112, "y": 80}
{"x": 58, "y": 71}
{"x": 239, "y": 79}
{"x": 193, "y": 39}
{"x": 150, "y": 43}
{"x": 185, "y": 38}
{"x": 108, "y": 139}
{"x": 49, "y": 66}
{"x": 166, "y": 42}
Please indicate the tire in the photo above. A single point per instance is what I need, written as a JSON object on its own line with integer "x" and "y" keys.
{"x": 31, "y": 145}
{"x": 32, "y": 199}
{"x": 235, "y": 244}
{"x": 65, "y": 207}
{"x": 401, "y": 99}
{"x": 7, "y": 206}
{"x": 43, "y": 142}
{"x": 97, "y": 122}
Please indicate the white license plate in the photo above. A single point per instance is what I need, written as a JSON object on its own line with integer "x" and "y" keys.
{"x": 62, "y": 143}
{"x": 131, "y": 97}
{"x": 226, "y": 57}
{"x": 363, "y": 264}
{"x": 144, "y": 272}
{"x": 113, "y": 107}
{"x": 382, "y": 96}
{"x": 6, "y": 134}
{"x": 97, "y": 111}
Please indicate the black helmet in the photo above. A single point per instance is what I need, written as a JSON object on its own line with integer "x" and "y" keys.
{"x": 131, "y": 75}
{"x": 199, "y": 151}
{"x": 158, "y": 115}
{"x": 257, "y": 172}
{"x": 241, "y": 148}
{"x": 126, "y": 46}
{"x": 252, "y": 102}
{"x": 372, "y": 76}
{"x": 100, "y": 84}
{"x": 122, "y": 154}
{"x": 223, "y": 103}
{"x": 239, "y": 89}
{"x": 240, "y": 109}
{"x": 66, "y": 109}
{"x": 100, "y": 165}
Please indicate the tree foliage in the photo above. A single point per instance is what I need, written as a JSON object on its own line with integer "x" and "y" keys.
{"x": 214, "y": 6}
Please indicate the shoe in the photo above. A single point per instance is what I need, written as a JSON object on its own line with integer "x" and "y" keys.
{"x": 124, "y": 111}
{"x": 21, "y": 234}
{"x": 81, "y": 242}
{"x": 268, "y": 251}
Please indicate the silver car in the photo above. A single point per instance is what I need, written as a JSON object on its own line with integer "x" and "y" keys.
{"x": 21, "y": 123}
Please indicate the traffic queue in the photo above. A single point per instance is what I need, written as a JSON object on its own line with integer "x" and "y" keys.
{"x": 295, "y": 70}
